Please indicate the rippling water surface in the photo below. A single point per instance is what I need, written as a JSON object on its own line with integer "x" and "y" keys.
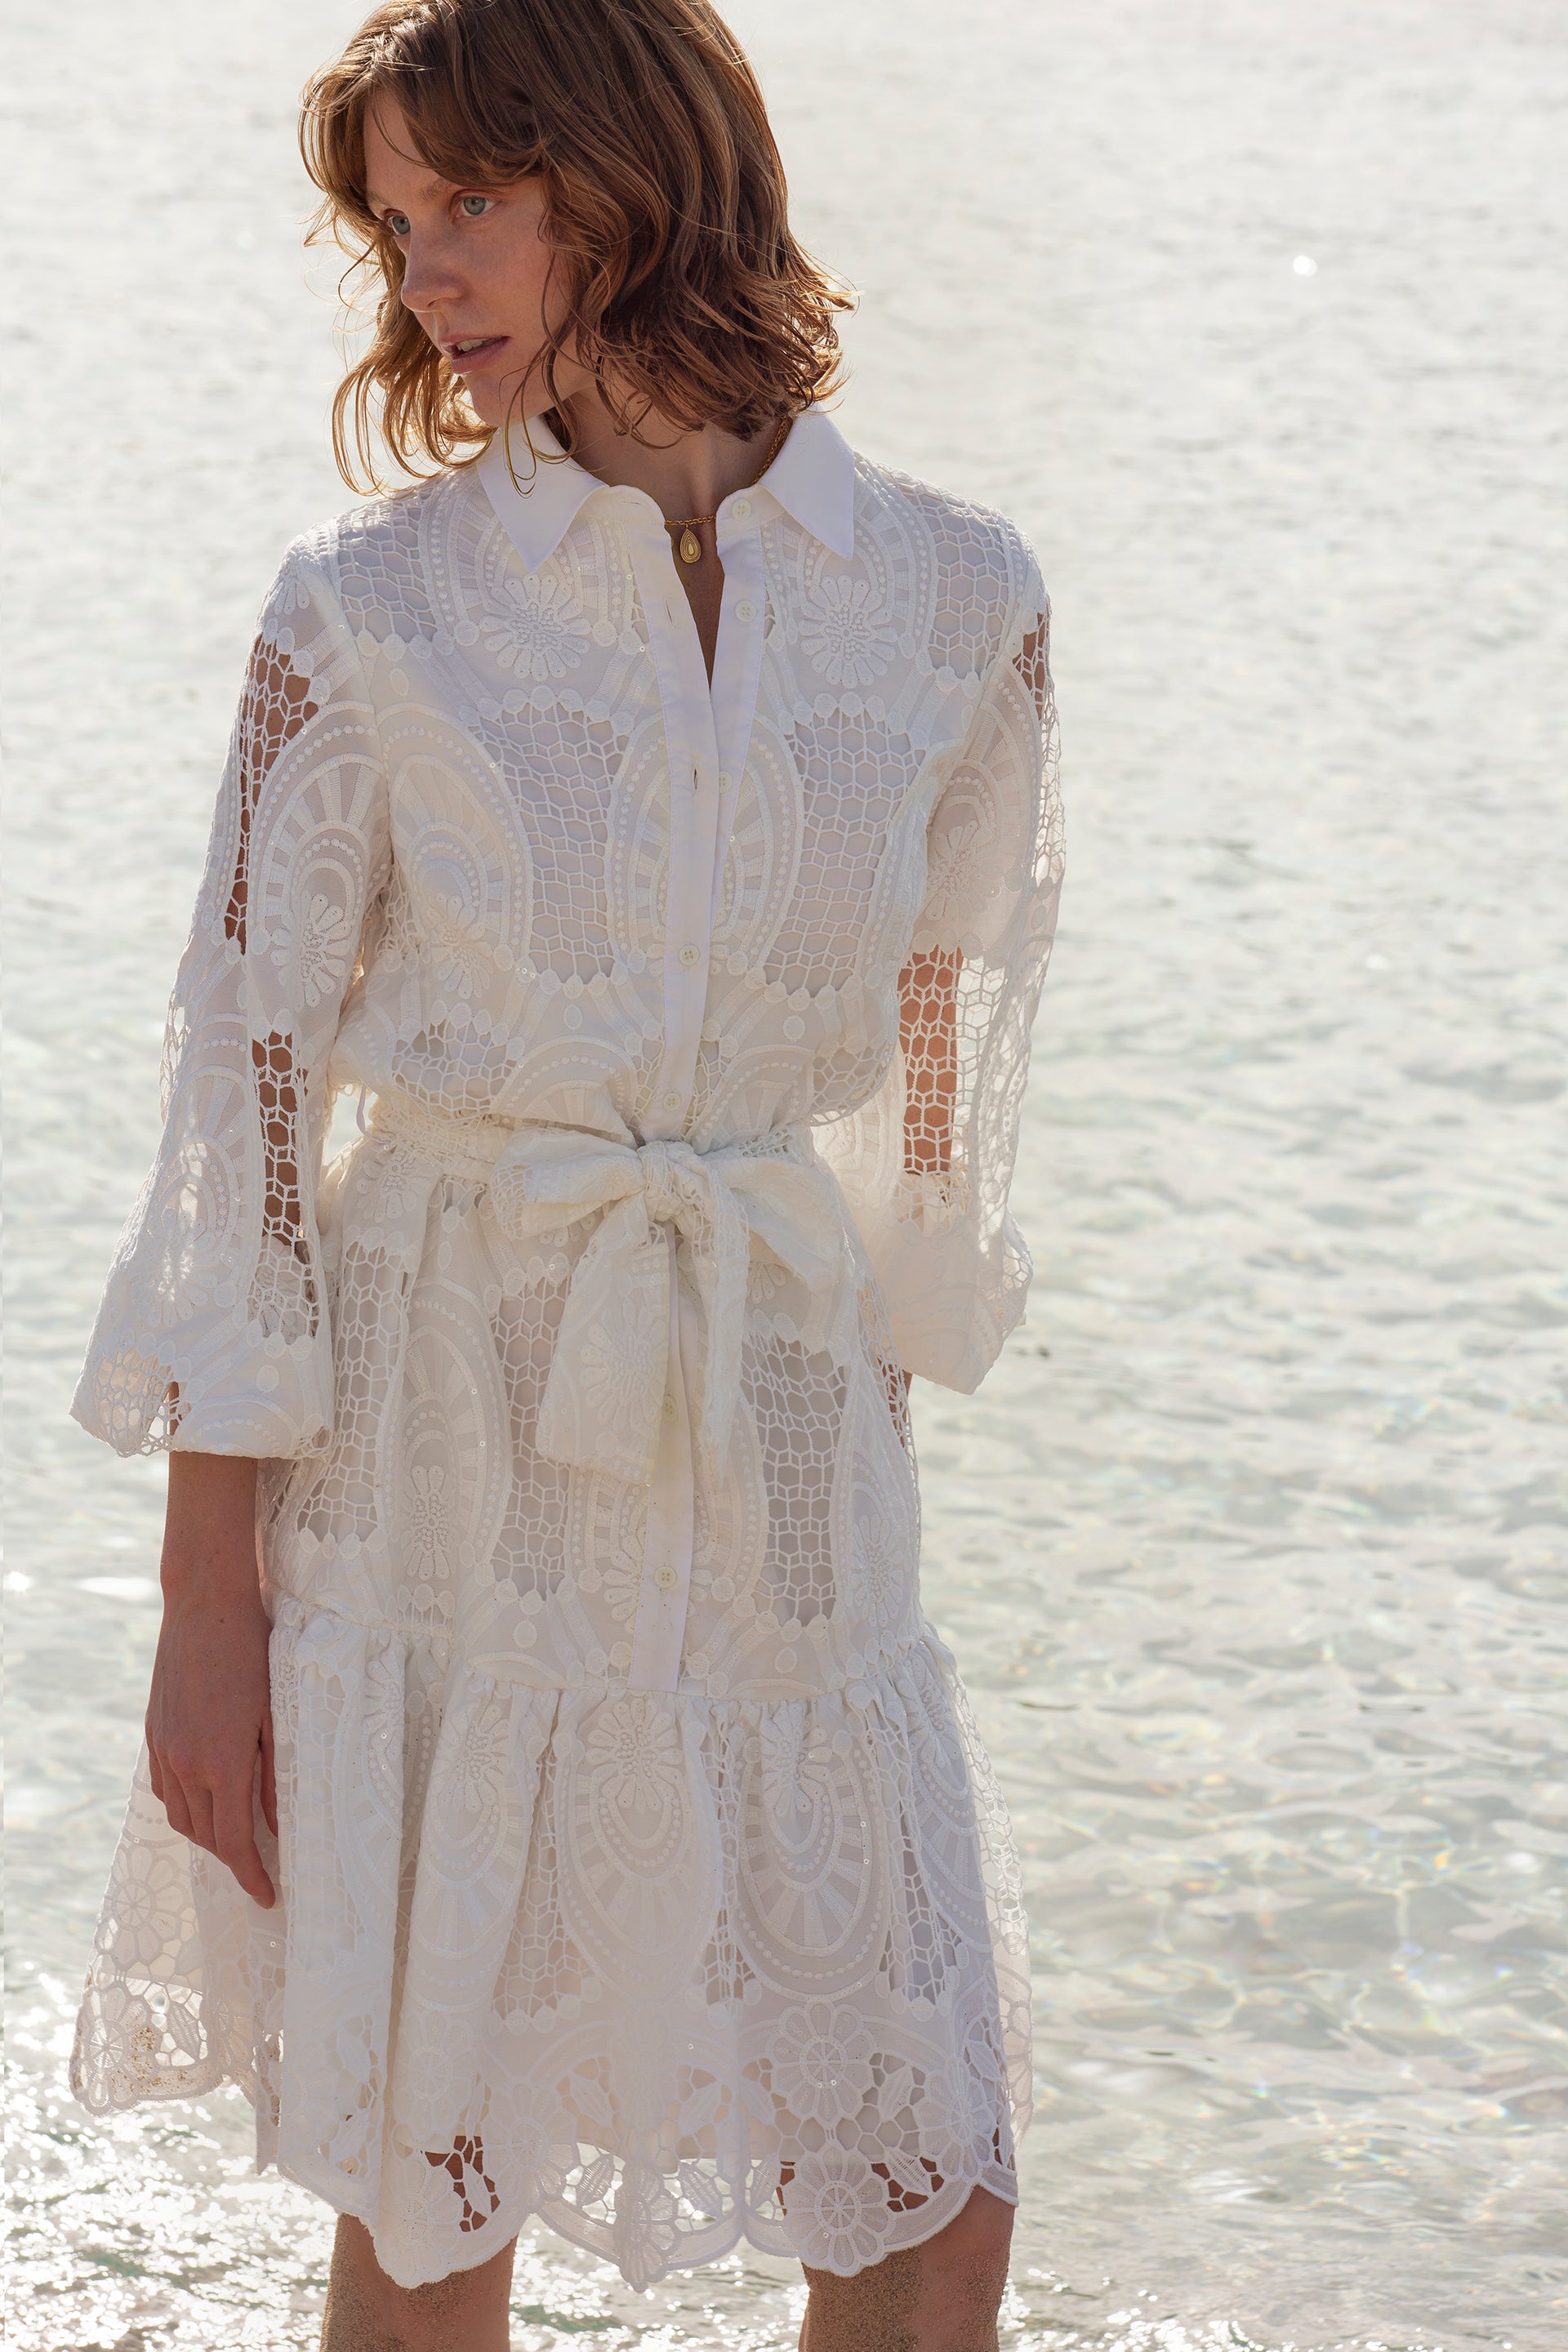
{"x": 1253, "y": 1547}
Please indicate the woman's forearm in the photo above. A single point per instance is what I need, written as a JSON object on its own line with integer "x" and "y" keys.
{"x": 928, "y": 1033}
{"x": 209, "y": 1714}
{"x": 209, "y": 1525}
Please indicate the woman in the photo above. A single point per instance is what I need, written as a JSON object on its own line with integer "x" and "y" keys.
{"x": 554, "y": 1800}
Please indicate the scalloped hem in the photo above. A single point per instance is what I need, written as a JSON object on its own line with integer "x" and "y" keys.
{"x": 744, "y": 2227}
{"x": 625, "y": 1960}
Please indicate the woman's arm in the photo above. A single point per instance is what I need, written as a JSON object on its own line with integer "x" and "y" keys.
{"x": 209, "y": 1715}
{"x": 928, "y": 1033}
{"x": 220, "y": 1259}
{"x": 213, "y": 1337}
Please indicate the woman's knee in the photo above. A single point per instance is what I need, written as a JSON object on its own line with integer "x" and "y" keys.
{"x": 964, "y": 2276}
{"x": 982, "y": 2231}
{"x": 368, "y": 2311}
{"x": 941, "y": 2297}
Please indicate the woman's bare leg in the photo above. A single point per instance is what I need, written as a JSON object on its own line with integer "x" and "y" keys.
{"x": 367, "y": 2312}
{"x": 943, "y": 2296}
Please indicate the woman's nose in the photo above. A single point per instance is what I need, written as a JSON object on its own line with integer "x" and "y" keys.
{"x": 429, "y": 276}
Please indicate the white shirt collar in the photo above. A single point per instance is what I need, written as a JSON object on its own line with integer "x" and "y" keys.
{"x": 813, "y": 479}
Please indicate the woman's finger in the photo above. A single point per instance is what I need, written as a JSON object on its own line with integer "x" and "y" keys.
{"x": 233, "y": 1820}
{"x": 198, "y": 1797}
{"x": 173, "y": 1799}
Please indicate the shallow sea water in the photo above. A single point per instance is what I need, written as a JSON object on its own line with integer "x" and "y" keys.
{"x": 1255, "y": 1546}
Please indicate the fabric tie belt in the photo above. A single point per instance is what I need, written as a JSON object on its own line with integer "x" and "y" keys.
{"x": 602, "y": 1401}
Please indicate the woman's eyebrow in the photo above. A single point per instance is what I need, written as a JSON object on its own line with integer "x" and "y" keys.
{"x": 431, "y": 187}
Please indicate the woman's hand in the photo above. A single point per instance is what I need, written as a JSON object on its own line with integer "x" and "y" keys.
{"x": 209, "y": 1713}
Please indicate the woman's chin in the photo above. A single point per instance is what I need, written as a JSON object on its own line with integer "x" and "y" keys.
{"x": 492, "y": 391}
{"x": 485, "y": 401}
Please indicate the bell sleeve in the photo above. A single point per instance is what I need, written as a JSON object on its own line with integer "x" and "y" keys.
{"x": 213, "y": 1336}
{"x": 926, "y": 1165}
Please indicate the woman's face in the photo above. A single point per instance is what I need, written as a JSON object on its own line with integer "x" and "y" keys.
{"x": 476, "y": 269}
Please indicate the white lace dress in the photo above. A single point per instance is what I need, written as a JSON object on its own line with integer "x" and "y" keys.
{"x": 640, "y": 1867}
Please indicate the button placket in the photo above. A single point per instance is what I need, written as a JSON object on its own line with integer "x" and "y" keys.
{"x": 737, "y": 670}
{"x": 692, "y": 746}
{"x": 707, "y": 732}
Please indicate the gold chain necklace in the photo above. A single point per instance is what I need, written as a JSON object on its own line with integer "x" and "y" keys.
{"x": 688, "y": 547}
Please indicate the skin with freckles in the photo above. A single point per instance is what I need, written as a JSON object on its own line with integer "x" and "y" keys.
{"x": 943, "y": 2296}
{"x": 873, "y": 2312}
{"x": 367, "y": 2312}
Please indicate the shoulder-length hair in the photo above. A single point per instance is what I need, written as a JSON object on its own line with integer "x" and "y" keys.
{"x": 684, "y": 290}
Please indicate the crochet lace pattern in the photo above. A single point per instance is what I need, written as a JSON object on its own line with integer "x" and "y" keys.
{"x": 667, "y": 1958}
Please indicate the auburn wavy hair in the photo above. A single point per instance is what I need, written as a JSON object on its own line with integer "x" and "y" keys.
{"x": 684, "y": 290}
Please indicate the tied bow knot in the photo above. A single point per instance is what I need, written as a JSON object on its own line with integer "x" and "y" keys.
{"x": 603, "y": 1402}
{"x": 666, "y": 1181}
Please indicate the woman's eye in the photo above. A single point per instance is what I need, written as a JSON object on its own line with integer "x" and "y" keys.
{"x": 476, "y": 207}
{"x": 398, "y": 223}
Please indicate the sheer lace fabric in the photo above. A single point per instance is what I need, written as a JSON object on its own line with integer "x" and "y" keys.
{"x": 640, "y": 1868}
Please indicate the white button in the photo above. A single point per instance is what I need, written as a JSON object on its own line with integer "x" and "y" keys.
{"x": 691, "y": 955}
{"x": 725, "y": 779}
{"x": 745, "y": 610}
{"x": 671, "y": 1102}
{"x": 742, "y": 509}
{"x": 669, "y": 1408}
{"x": 666, "y": 1579}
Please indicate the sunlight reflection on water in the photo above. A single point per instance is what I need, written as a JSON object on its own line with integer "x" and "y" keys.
{"x": 1254, "y": 1548}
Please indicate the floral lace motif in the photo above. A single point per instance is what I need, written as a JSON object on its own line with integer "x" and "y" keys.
{"x": 740, "y": 1956}
{"x": 845, "y": 631}
{"x": 537, "y": 627}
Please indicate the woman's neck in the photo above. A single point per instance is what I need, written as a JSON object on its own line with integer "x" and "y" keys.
{"x": 684, "y": 473}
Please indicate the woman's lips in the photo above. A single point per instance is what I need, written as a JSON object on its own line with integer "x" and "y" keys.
{"x": 464, "y": 363}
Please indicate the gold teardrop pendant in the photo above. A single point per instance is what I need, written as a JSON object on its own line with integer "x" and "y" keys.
{"x": 690, "y": 547}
